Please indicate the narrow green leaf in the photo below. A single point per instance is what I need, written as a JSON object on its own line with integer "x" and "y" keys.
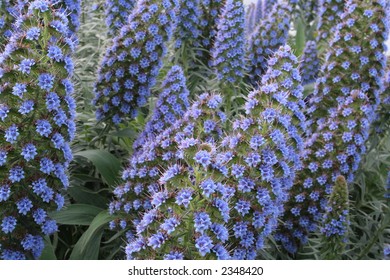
{"x": 48, "y": 251}
{"x": 87, "y": 247}
{"x": 300, "y": 38}
{"x": 76, "y": 214}
{"x": 106, "y": 164}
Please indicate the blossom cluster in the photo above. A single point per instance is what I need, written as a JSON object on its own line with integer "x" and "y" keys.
{"x": 37, "y": 113}
{"x": 188, "y": 30}
{"x": 269, "y": 35}
{"x": 131, "y": 65}
{"x": 228, "y": 52}
{"x": 171, "y": 106}
{"x": 310, "y": 64}
{"x": 117, "y": 13}
{"x": 342, "y": 110}
{"x": 7, "y": 17}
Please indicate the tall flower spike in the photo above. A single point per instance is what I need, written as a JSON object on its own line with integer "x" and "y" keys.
{"x": 188, "y": 28}
{"x": 228, "y": 52}
{"x": 258, "y": 13}
{"x": 249, "y": 18}
{"x": 262, "y": 154}
{"x": 330, "y": 12}
{"x": 211, "y": 12}
{"x": 346, "y": 107}
{"x": 269, "y": 35}
{"x": 170, "y": 107}
{"x": 34, "y": 144}
{"x": 131, "y": 65}
{"x": 336, "y": 222}
{"x": 117, "y": 12}
{"x": 269, "y": 5}
{"x": 7, "y": 18}
{"x": 168, "y": 179}
{"x": 310, "y": 64}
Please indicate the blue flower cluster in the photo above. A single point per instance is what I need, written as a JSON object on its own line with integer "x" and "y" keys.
{"x": 170, "y": 107}
{"x": 155, "y": 199}
{"x": 131, "y": 65}
{"x": 269, "y": 5}
{"x": 387, "y": 187}
{"x": 188, "y": 30}
{"x": 269, "y": 35}
{"x": 37, "y": 113}
{"x": 343, "y": 108}
{"x": 258, "y": 13}
{"x": 211, "y": 11}
{"x": 228, "y": 53}
{"x": 262, "y": 154}
{"x": 117, "y": 13}
{"x": 310, "y": 64}
{"x": 7, "y": 17}
{"x": 330, "y": 12}
{"x": 249, "y": 18}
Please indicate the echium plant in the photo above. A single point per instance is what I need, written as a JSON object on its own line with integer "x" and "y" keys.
{"x": 37, "y": 114}
{"x": 131, "y": 65}
{"x": 117, "y": 13}
{"x": 188, "y": 29}
{"x": 258, "y": 12}
{"x": 249, "y": 18}
{"x": 329, "y": 17}
{"x": 171, "y": 106}
{"x": 211, "y": 12}
{"x": 228, "y": 53}
{"x": 310, "y": 63}
{"x": 7, "y": 17}
{"x": 382, "y": 123}
{"x": 262, "y": 154}
{"x": 269, "y": 35}
{"x": 345, "y": 101}
{"x": 269, "y": 5}
{"x": 169, "y": 200}
{"x": 336, "y": 222}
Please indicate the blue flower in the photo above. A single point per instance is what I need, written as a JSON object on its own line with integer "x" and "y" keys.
{"x": 204, "y": 244}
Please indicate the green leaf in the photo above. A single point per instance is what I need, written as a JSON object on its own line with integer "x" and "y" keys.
{"x": 127, "y": 132}
{"x": 48, "y": 251}
{"x": 87, "y": 247}
{"x": 76, "y": 214}
{"x": 84, "y": 195}
{"x": 106, "y": 164}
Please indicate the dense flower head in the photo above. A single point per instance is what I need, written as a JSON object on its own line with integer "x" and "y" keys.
{"x": 131, "y": 65}
{"x": 228, "y": 52}
{"x": 249, "y": 18}
{"x": 211, "y": 11}
{"x": 176, "y": 171}
{"x": 188, "y": 29}
{"x": 336, "y": 221}
{"x": 310, "y": 64}
{"x": 37, "y": 115}
{"x": 269, "y": 5}
{"x": 330, "y": 12}
{"x": 344, "y": 108}
{"x": 170, "y": 107}
{"x": 268, "y": 36}
{"x": 117, "y": 12}
{"x": 262, "y": 154}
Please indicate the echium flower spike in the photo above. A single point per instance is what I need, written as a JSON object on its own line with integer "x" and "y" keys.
{"x": 355, "y": 60}
{"x": 171, "y": 106}
{"x": 130, "y": 66}
{"x": 337, "y": 142}
{"x": 34, "y": 144}
{"x": 7, "y": 18}
{"x": 117, "y": 13}
{"x": 176, "y": 172}
{"x": 269, "y": 5}
{"x": 211, "y": 11}
{"x": 258, "y": 13}
{"x": 381, "y": 123}
{"x": 228, "y": 52}
{"x": 269, "y": 35}
{"x": 249, "y": 18}
{"x": 336, "y": 222}
{"x": 330, "y": 12}
{"x": 188, "y": 30}
{"x": 263, "y": 154}
{"x": 310, "y": 63}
